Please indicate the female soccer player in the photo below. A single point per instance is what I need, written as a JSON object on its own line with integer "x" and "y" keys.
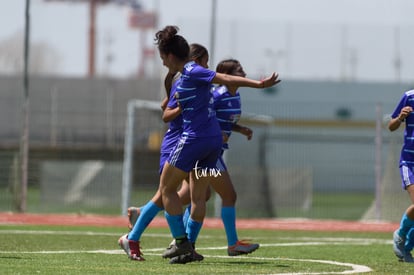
{"x": 140, "y": 217}
{"x": 403, "y": 237}
{"x": 227, "y": 106}
{"x": 200, "y": 143}
{"x": 228, "y": 117}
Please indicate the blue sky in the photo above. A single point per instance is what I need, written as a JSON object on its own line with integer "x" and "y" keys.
{"x": 301, "y": 39}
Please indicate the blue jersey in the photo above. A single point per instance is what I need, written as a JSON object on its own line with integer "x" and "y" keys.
{"x": 194, "y": 96}
{"x": 407, "y": 152}
{"x": 228, "y": 109}
{"x": 174, "y": 130}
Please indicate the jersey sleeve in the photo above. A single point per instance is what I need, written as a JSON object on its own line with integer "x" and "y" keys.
{"x": 203, "y": 75}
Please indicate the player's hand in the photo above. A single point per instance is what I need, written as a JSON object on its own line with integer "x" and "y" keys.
{"x": 405, "y": 112}
{"x": 270, "y": 81}
{"x": 225, "y": 137}
{"x": 247, "y": 132}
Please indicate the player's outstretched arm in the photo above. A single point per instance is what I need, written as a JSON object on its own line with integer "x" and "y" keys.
{"x": 238, "y": 81}
{"x": 243, "y": 130}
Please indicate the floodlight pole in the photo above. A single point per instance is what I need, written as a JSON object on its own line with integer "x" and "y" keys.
{"x": 213, "y": 31}
{"x": 378, "y": 162}
{"x": 217, "y": 198}
{"x": 92, "y": 37}
{"x": 24, "y": 146}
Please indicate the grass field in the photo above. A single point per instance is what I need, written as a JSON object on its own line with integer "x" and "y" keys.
{"x": 94, "y": 250}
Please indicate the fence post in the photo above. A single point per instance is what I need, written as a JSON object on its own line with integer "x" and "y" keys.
{"x": 378, "y": 160}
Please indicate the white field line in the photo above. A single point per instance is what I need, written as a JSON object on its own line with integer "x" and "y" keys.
{"x": 354, "y": 267}
{"x": 155, "y": 251}
{"x": 167, "y": 235}
{"x": 74, "y": 233}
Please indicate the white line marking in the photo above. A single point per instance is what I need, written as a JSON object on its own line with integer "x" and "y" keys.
{"x": 77, "y": 233}
{"x": 310, "y": 241}
{"x": 355, "y": 268}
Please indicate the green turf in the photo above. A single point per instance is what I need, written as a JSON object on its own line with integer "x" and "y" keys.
{"x": 334, "y": 205}
{"x": 94, "y": 250}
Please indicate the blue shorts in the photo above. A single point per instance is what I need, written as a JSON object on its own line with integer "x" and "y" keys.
{"x": 220, "y": 165}
{"x": 163, "y": 158}
{"x": 190, "y": 152}
{"x": 407, "y": 175}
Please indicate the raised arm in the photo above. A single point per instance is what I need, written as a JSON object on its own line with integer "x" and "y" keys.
{"x": 238, "y": 81}
{"x": 243, "y": 130}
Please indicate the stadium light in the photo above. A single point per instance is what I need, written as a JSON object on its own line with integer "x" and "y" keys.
{"x": 24, "y": 139}
{"x": 213, "y": 30}
{"x": 133, "y": 4}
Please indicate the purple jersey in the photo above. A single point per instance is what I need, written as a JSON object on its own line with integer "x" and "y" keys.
{"x": 200, "y": 143}
{"x": 174, "y": 130}
{"x": 227, "y": 108}
{"x": 407, "y": 152}
{"x": 193, "y": 93}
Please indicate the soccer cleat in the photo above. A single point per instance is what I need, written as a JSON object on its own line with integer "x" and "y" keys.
{"x": 197, "y": 257}
{"x": 187, "y": 258}
{"x": 242, "y": 247}
{"x": 135, "y": 252}
{"x": 398, "y": 245}
{"x": 133, "y": 214}
{"x": 408, "y": 258}
{"x": 178, "y": 248}
{"x": 123, "y": 243}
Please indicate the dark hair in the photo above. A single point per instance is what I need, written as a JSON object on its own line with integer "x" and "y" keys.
{"x": 197, "y": 52}
{"x": 169, "y": 41}
{"x": 228, "y": 66}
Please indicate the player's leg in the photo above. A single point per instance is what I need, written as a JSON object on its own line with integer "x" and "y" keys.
{"x": 409, "y": 242}
{"x": 198, "y": 190}
{"x": 407, "y": 220}
{"x": 408, "y": 246}
{"x": 148, "y": 212}
{"x": 133, "y": 211}
{"x": 171, "y": 177}
{"x": 156, "y": 203}
{"x": 133, "y": 214}
{"x": 225, "y": 188}
{"x": 184, "y": 194}
{"x": 198, "y": 156}
{"x": 130, "y": 242}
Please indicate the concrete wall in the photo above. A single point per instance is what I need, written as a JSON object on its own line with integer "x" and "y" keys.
{"x": 71, "y": 110}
